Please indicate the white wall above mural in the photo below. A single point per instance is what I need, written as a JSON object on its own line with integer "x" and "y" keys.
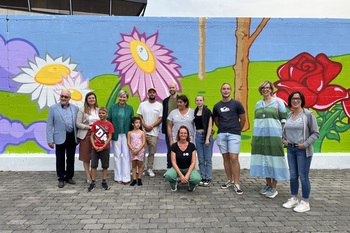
{"x": 249, "y": 8}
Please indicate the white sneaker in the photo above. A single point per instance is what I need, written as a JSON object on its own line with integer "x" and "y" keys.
{"x": 151, "y": 173}
{"x": 302, "y": 207}
{"x": 175, "y": 189}
{"x": 291, "y": 203}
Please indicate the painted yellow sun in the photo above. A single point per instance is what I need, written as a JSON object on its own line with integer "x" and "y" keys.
{"x": 41, "y": 77}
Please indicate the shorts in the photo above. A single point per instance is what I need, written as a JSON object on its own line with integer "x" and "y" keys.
{"x": 229, "y": 143}
{"x": 103, "y": 156}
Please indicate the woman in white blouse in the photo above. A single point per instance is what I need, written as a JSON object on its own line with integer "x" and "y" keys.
{"x": 182, "y": 115}
{"x": 87, "y": 115}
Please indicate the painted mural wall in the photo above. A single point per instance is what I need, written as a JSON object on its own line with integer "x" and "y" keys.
{"x": 40, "y": 55}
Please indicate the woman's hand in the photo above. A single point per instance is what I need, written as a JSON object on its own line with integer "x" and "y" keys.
{"x": 285, "y": 142}
{"x": 301, "y": 146}
{"x": 183, "y": 179}
{"x": 207, "y": 142}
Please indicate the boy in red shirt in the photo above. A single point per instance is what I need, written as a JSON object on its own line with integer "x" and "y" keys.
{"x": 101, "y": 134}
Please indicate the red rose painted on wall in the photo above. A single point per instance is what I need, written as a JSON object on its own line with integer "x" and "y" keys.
{"x": 311, "y": 75}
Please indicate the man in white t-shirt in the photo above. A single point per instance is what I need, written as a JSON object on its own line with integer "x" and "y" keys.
{"x": 151, "y": 112}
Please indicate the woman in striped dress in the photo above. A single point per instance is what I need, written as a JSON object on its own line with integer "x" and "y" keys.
{"x": 267, "y": 159}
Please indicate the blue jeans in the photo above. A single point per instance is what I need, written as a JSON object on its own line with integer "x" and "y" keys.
{"x": 204, "y": 154}
{"x": 299, "y": 166}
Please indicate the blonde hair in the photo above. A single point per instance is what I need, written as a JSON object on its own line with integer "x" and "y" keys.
{"x": 103, "y": 109}
{"x": 265, "y": 83}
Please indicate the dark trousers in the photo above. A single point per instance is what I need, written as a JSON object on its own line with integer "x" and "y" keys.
{"x": 67, "y": 149}
{"x": 168, "y": 154}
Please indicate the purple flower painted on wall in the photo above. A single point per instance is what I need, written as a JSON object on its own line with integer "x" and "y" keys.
{"x": 143, "y": 63}
{"x": 18, "y": 51}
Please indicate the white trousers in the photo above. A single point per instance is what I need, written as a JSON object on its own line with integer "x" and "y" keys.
{"x": 121, "y": 159}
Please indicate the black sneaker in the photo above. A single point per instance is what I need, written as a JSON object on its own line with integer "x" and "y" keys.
{"x": 206, "y": 183}
{"x": 105, "y": 186}
{"x": 92, "y": 186}
{"x": 237, "y": 189}
{"x": 139, "y": 182}
{"x": 201, "y": 183}
{"x": 133, "y": 183}
{"x": 227, "y": 184}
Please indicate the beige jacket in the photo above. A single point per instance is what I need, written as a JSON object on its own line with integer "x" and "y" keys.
{"x": 81, "y": 122}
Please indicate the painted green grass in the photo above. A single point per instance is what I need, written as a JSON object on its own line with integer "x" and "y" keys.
{"x": 20, "y": 107}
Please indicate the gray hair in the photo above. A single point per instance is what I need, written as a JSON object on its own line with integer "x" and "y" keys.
{"x": 122, "y": 92}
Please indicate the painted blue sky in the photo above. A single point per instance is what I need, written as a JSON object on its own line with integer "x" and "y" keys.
{"x": 92, "y": 41}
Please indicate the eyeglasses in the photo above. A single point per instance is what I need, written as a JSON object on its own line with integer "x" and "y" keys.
{"x": 296, "y": 99}
{"x": 64, "y": 96}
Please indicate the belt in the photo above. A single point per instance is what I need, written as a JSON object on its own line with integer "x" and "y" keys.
{"x": 293, "y": 144}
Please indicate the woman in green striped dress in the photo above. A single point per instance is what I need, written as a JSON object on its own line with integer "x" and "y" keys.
{"x": 267, "y": 158}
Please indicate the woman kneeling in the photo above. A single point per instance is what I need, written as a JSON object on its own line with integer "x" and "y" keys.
{"x": 183, "y": 159}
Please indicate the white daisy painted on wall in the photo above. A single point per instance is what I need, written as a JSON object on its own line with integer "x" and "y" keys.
{"x": 40, "y": 78}
{"x": 77, "y": 87}
{"x": 142, "y": 63}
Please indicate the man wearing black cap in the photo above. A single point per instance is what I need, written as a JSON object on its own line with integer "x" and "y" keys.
{"x": 151, "y": 113}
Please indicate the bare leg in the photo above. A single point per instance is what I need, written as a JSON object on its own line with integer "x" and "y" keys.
{"x": 87, "y": 170}
{"x": 104, "y": 174}
{"x": 273, "y": 183}
{"x": 227, "y": 166}
{"x": 134, "y": 164}
{"x": 140, "y": 168}
{"x": 235, "y": 167}
{"x": 93, "y": 173}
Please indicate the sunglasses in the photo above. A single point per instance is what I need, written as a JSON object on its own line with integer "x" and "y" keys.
{"x": 64, "y": 96}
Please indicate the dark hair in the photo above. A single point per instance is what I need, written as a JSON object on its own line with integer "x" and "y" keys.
{"x": 226, "y": 84}
{"x": 86, "y": 104}
{"x": 302, "y": 97}
{"x": 184, "y": 99}
{"x": 178, "y": 133}
{"x": 135, "y": 119}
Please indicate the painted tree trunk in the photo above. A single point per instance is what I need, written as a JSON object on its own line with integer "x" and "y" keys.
{"x": 202, "y": 44}
{"x": 243, "y": 43}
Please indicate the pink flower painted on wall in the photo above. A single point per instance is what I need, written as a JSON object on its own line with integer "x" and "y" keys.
{"x": 142, "y": 63}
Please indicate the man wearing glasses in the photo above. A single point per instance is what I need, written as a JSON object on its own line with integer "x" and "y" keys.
{"x": 61, "y": 131}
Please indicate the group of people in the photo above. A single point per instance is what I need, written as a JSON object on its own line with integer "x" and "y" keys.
{"x": 188, "y": 135}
